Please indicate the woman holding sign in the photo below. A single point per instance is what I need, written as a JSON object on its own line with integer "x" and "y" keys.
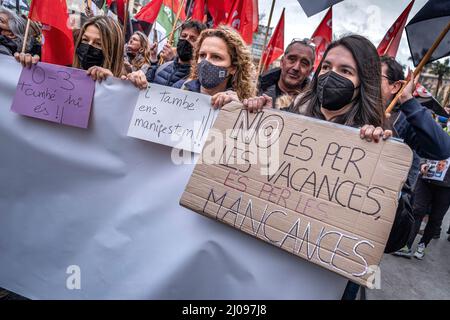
{"x": 222, "y": 67}
{"x": 99, "y": 49}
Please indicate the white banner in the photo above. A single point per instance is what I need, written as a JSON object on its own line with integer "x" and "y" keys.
{"x": 173, "y": 117}
{"x": 95, "y": 214}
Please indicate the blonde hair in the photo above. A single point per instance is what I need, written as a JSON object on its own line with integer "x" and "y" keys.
{"x": 112, "y": 39}
{"x": 241, "y": 58}
{"x": 145, "y": 45}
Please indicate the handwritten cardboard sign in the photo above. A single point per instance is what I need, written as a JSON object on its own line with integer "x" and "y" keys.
{"x": 55, "y": 93}
{"x": 310, "y": 187}
{"x": 172, "y": 117}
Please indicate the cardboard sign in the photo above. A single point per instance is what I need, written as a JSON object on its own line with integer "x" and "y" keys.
{"x": 173, "y": 117}
{"x": 55, "y": 93}
{"x": 310, "y": 187}
{"x": 437, "y": 169}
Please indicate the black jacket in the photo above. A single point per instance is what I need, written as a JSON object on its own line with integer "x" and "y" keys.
{"x": 169, "y": 73}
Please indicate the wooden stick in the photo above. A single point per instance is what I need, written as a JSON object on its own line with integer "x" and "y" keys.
{"x": 89, "y": 3}
{"x": 173, "y": 28}
{"x": 125, "y": 18}
{"x": 265, "y": 38}
{"x": 25, "y": 39}
{"x": 419, "y": 68}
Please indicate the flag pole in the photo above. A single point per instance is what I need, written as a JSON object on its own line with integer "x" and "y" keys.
{"x": 89, "y": 3}
{"x": 173, "y": 28}
{"x": 125, "y": 18}
{"x": 419, "y": 68}
{"x": 265, "y": 37}
{"x": 25, "y": 39}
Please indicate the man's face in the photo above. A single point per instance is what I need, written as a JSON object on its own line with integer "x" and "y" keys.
{"x": 441, "y": 166}
{"x": 388, "y": 90}
{"x": 296, "y": 65}
{"x": 190, "y": 34}
{"x": 4, "y": 26}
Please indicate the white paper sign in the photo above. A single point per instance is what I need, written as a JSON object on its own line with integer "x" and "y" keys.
{"x": 172, "y": 117}
{"x": 437, "y": 169}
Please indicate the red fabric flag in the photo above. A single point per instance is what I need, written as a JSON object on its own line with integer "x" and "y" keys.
{"x": 118, "y": 7}
{"x": 219, "y": 10}
{"x": 391, "y": 41}
{"x": 198, "y": 12}
{"x": 149, "y": 12}
{"x": 275, "y": 47}
{"x": 322, "y": 36}
{"x": 255, "y": 16}
{"x": 240, "y": 17}
{"x": 58, "y": 47}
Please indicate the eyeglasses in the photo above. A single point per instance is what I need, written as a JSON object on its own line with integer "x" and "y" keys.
{"x": 305, "y": 41}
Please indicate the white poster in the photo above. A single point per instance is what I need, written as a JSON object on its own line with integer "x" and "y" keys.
{"x": 94, "y": 214}
{"x": 173, "y": 117}
{"x": 437, "y": 169}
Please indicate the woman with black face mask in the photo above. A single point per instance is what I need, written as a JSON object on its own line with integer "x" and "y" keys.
{"x": 222, "y": 67}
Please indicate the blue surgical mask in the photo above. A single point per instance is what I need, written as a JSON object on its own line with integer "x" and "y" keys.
{"x": 210, "y": 75}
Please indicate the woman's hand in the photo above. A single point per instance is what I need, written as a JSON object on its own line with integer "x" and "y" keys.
{"x": 26, "y": 59}
{"x": 99, "y": 73}
{"x": 137, "y": 78}
{"x": 167, "y": 53}
{"x": 370, "y": 133}
{"x": 408, "y": 92}
{"x": 424, "y": 169}
{"x": 256, "y": 104}
{"x": 222, "y": 98}
{"x": 154, "y": 53}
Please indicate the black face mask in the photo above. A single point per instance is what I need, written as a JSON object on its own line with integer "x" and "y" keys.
{"x": 184, "y": 50}
{"x": 334, "y": 91}
{"x": 89, "y": 56}
{"x": 8, "y": 43}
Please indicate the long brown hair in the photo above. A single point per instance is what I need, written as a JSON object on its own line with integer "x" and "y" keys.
{"x": 112, "y": 39}
{"x": 367, "y": 107}
{"x": 144, "y": 57}
{"x": 241, "y": 59}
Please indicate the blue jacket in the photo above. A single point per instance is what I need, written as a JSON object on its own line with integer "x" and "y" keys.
{"x": 169, "y": 73}
{"x": 420, "y": 132}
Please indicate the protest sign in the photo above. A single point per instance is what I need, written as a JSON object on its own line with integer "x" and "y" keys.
{"x": 437, "y": 169}
{"x": 173, "y": 117}
{"x": 310, "y": 187}
{"x": 54, "y": 93}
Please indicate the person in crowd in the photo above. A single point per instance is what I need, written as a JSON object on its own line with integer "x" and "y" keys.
{"x": 410, "y": 120}
{"x": 432, "y": 197}
{"x": 137, "y": 53}
{"x": 175, "y": 71}
{"x": 98, "y": 50}
{"x": 293, "y": 75}
{"x": 222, "y": 67}
{"x": 12, "y": 31}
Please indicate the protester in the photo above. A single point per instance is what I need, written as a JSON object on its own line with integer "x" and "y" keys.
{"x": 292, "y": 77}
{"x": 137, "y": 53}
{"x": 433, "y": 194}
{"x": 12, "y": 31}
{"x": 99, "y": 49}
{"x": 222, "y": 67}
{"x": 174, "y": 72}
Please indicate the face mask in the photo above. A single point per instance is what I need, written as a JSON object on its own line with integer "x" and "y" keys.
{"x": 210, "y": 75}
{"x": 184, "y": 50}
{"x": 89, "y": 56}
{"x": 334, "y": 91}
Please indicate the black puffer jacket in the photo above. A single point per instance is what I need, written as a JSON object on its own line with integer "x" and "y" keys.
{"x": 169, "y": 73}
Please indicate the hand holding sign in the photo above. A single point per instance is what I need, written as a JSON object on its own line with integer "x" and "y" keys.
{"x": 54, "y": 93}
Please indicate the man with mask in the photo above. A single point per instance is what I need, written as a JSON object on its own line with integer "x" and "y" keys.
{"x": 12, "y": 30}
{"x": 173, "y": 73}
{"x": 292, "y": 77}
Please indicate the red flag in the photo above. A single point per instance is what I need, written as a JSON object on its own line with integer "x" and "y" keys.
{"x": 198, "y": 12}
{"x": 240, "y": 17}
{"x": 421, "y": 91}
{"x": 149, "y": 12}
{"x": 58, "y": 47}
{"x": 118, "y": 7}
{"x": 219, "y": 10}
{"x": 275, "y": 47}
{"x": 322, "y": 36}
{"x": 255, "y": 16}
{"x": 391, "y": 41}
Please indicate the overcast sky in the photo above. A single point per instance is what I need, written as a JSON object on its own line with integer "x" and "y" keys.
{"x": 370, "y": 18}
